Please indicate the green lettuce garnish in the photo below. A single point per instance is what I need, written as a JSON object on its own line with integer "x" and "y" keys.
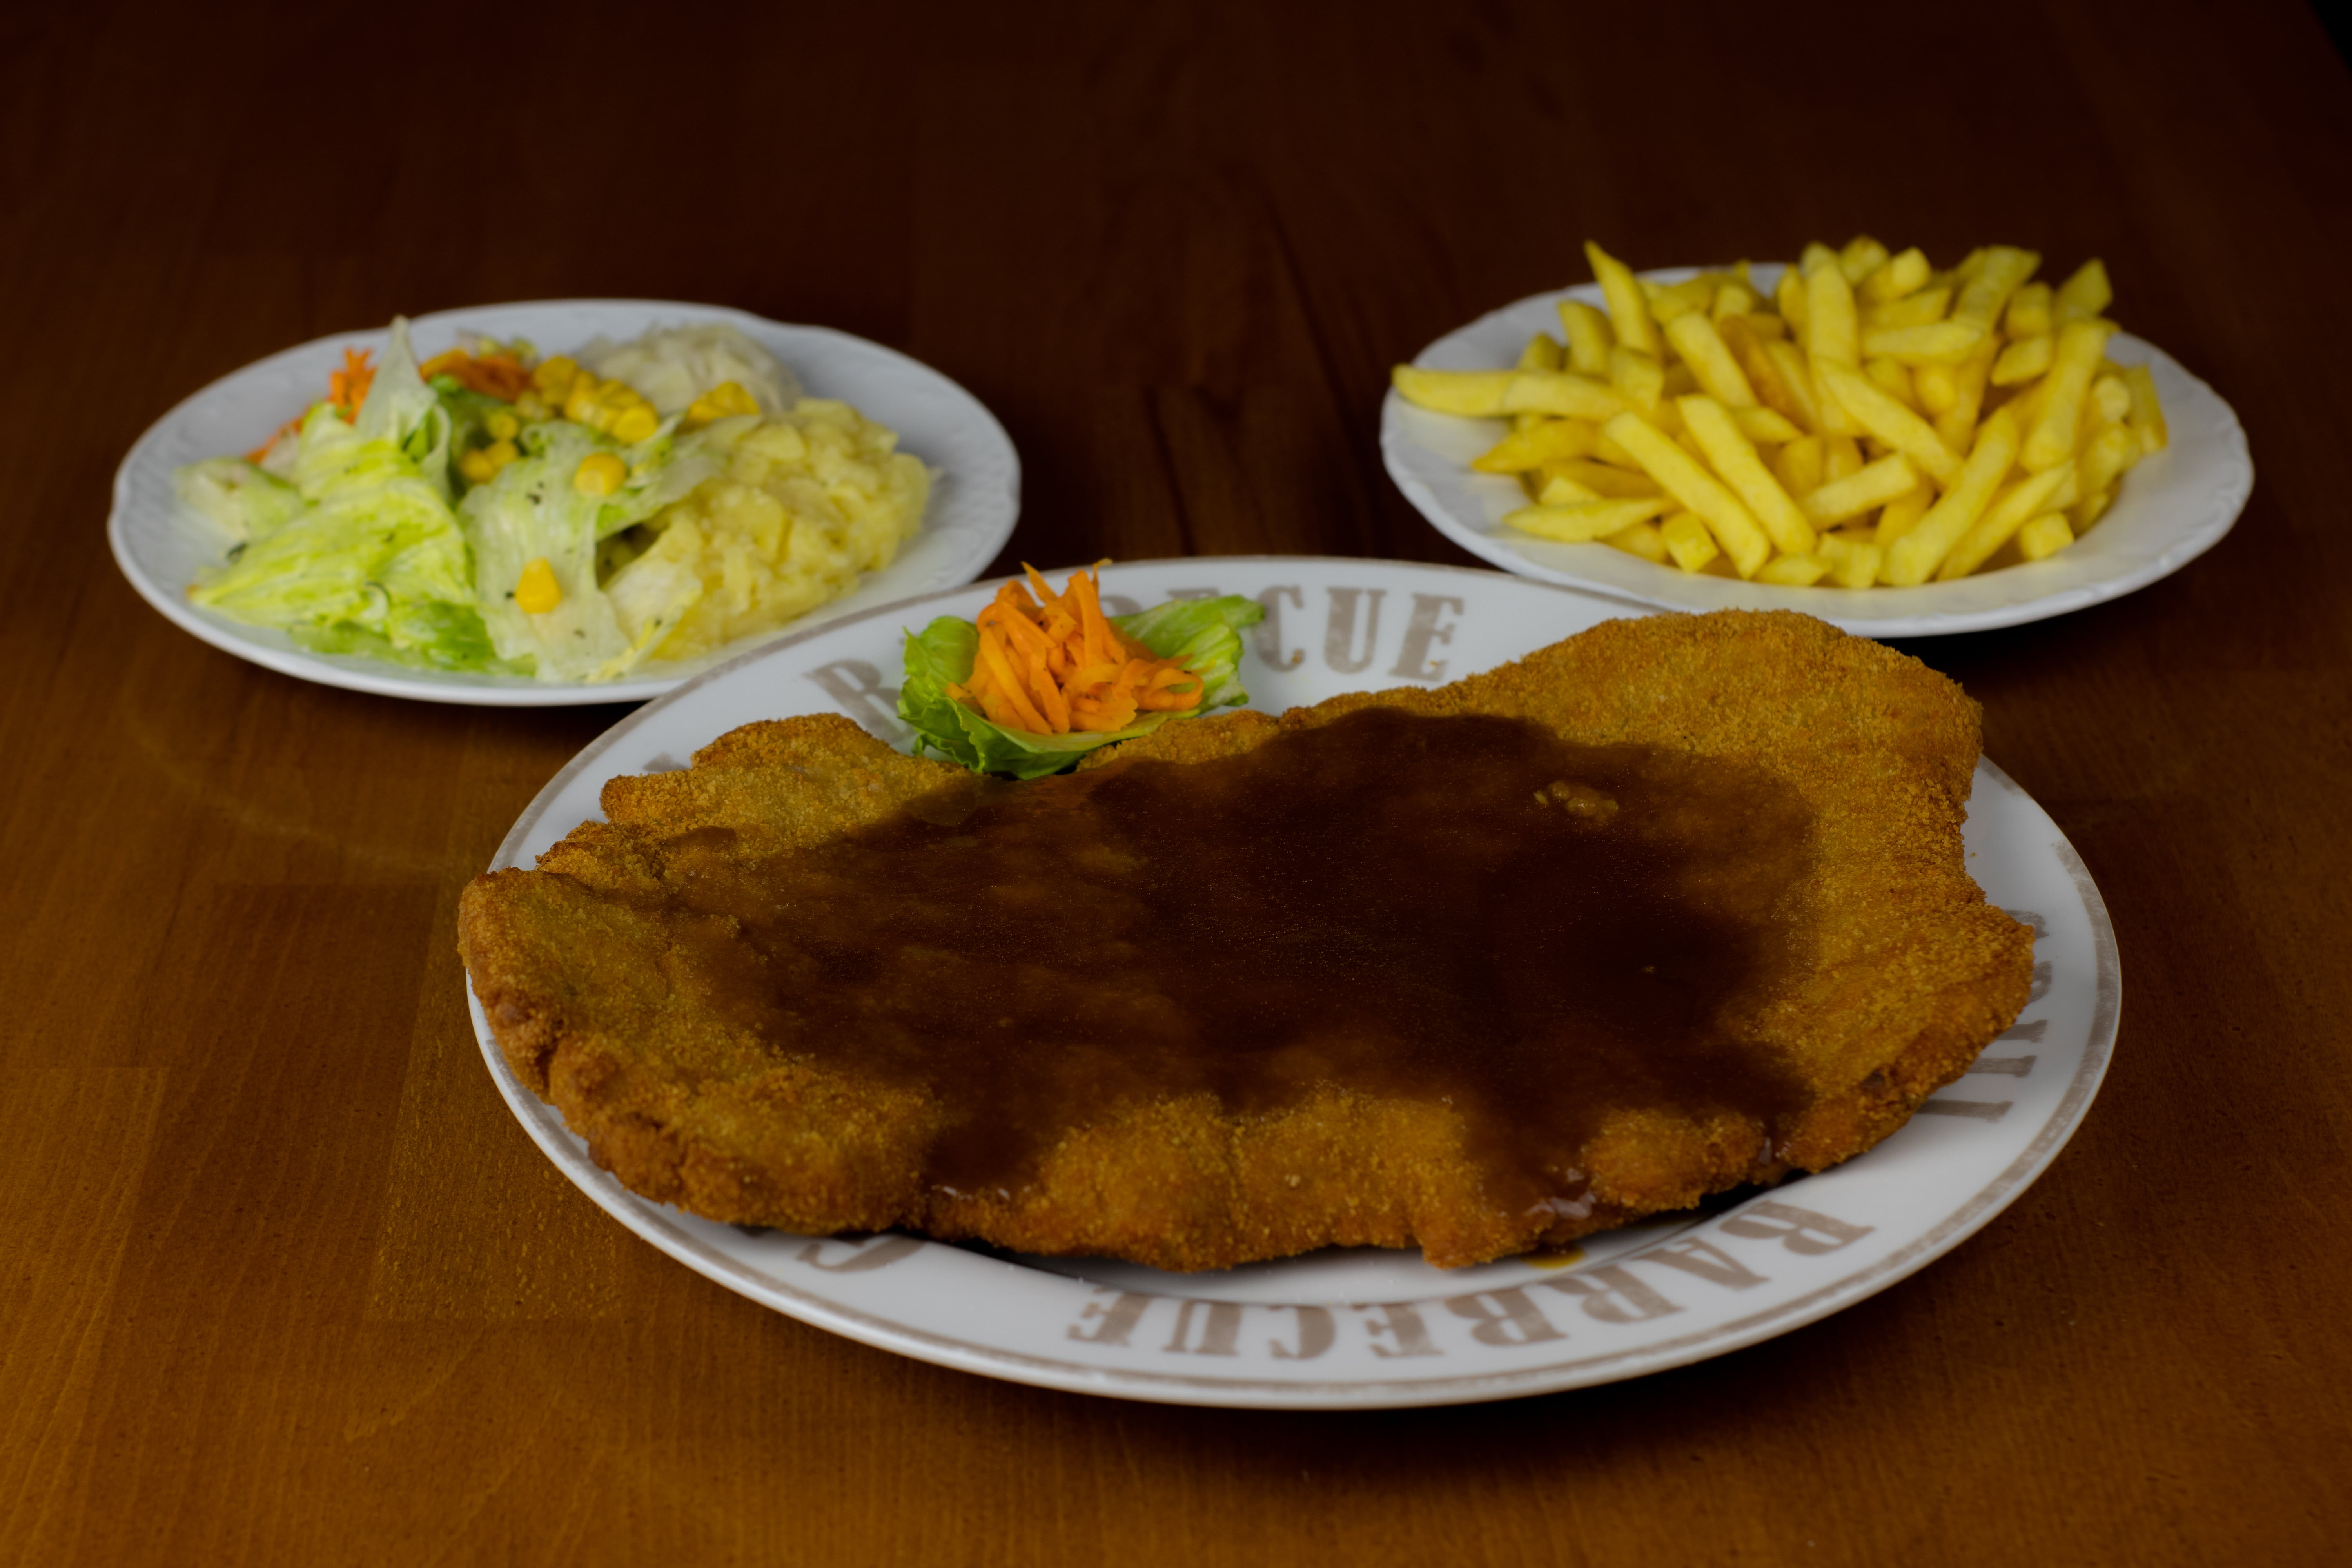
{"x": 1202, "y": 635}
{"x": 237, "y": 498}
{"x": 532, "y": 512}
{"x": 373, "y": 557}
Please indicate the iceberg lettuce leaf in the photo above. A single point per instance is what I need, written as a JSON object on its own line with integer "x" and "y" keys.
{"x": 238, "y": 497}
{"x": 374, "y": 550}
{"x": 532, "y": 512}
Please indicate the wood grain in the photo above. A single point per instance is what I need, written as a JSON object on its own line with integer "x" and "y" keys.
{"x": 284, "y": 1280}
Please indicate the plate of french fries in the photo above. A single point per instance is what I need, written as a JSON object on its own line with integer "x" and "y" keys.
{"x": 1899, "y": 450}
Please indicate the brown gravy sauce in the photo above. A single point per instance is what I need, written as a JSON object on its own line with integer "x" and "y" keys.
{"x": 1463, "y": 909}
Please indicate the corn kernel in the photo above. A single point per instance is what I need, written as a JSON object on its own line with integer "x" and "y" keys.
{"x": 636, "y": 424}
{"x": 478, "y": 467}
{"x": 500, "y": 453}
{"x": 536, "y": 591}
{"x": 504, "y": 425}
{"x": 599, "y": 474}
{"x": 554, "y": 376}
{"x": 580, "y": 403}
{"x": 725, "y": 401}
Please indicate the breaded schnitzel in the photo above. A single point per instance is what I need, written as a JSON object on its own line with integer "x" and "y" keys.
{"x": 1672, "y": 905}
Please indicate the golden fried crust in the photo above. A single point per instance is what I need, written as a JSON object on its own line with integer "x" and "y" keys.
{"x": 1899, "y": 974}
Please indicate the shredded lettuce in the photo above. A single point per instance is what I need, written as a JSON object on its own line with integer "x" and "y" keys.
{"x": 1202, "y": 635}
{"x": 374, "y": 553}
{"x": 532, "y": 512}
{"x": 237, "y": 498}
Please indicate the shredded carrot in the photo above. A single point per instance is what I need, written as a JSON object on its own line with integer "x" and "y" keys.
{"x": 1053, "y": 663}
{"x": 499, "y": 375}
{"x": 346, "y": 389}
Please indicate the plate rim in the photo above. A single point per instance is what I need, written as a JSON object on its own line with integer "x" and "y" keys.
{"x": 656, "y": 1223}
{"x": 385, "y": 680}
{"x": 2238, "y": 490}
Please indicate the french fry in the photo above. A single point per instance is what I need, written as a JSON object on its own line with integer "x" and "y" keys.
{"x": 1764, "y": 426}
{"x": 2109, "y": 400}
{"x": 1629, "y": 310}
{"x": 1788, "y": 387}
{"x": 2088, "y": 511}
{"x": 1559, "y": 489}
{"x": 1853, "y": 563}
{"x": 1893, "y": 378}
{"x": 1681, "y": 477}
{"x": 1941, "y": 342}
{"x": 1913, "y": 558}
{"x": 2029, "y": 312}
{"x": 2044, "y": 536}
{"x": 1732, "y": 300}
{"x": 1581, "y": 522}
{"x": 2009, "y": 511}
{"x": 1832, "y": 330}
{"x": 1957, "y": 426}
{"x": 1729, "y": 453}
{"x": 1865, "y": 489}
{"x": 1589, "y": 338}
{"x": 1937, "y": 386}
{"x": 1903, "y": 514}
{"x": 1862, "y": 257}
{"x": 1800, "y": 467}
{"x": 1888, "y": 420}
{"x": 1832, "y": 336}
{"x": 2002, "y": 272}
{"x": 1688, "y": 542}
{"x": 1638, "y": 377}
{"x": 1543, "y": 353}
{"x": 2022, "y": 358}
{"x": 1536, "y": 445}
{"x": 1603, "y": 479}
{"x": 1793, "y": 570}
{"x": 1923, "y": 309}
{"x": 1470, "y": 392}
{"x": 1789, "y": 294}
{"x": 1643, "y": 539}
{"x": 1841, "y": 456}
{"x": 2112, "y": 451}
{"x": 2083, "y": 296}
{"x": 1608, "y": 452}
{"x": 2080, "y": 346}
{"x": 1895, "y": 278}
{"x": 1676, "y": 299}
{"x": 2147, "y": 412}
{"x": 1561, "y": 392}
{"x": 1695, "y": 337}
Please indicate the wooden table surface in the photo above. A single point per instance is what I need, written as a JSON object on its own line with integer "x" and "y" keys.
{"x": 282, "y": 1280}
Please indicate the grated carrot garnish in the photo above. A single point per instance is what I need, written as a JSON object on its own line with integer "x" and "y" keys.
{"x": 1052, "y": 663}
{"x": 346, "y": 389}
{"x": 499, "y": 375}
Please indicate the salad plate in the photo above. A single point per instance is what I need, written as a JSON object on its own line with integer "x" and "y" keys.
{"x": 2173, "y": 507}
{"x": 162, "y": 546}
{"x": 1368, "y": 1328}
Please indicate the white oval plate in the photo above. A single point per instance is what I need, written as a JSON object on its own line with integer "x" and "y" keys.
{"x": 1368, "y": 1327}
{"x": 2171, "y": 508}
{"x": 160, "y": 546}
